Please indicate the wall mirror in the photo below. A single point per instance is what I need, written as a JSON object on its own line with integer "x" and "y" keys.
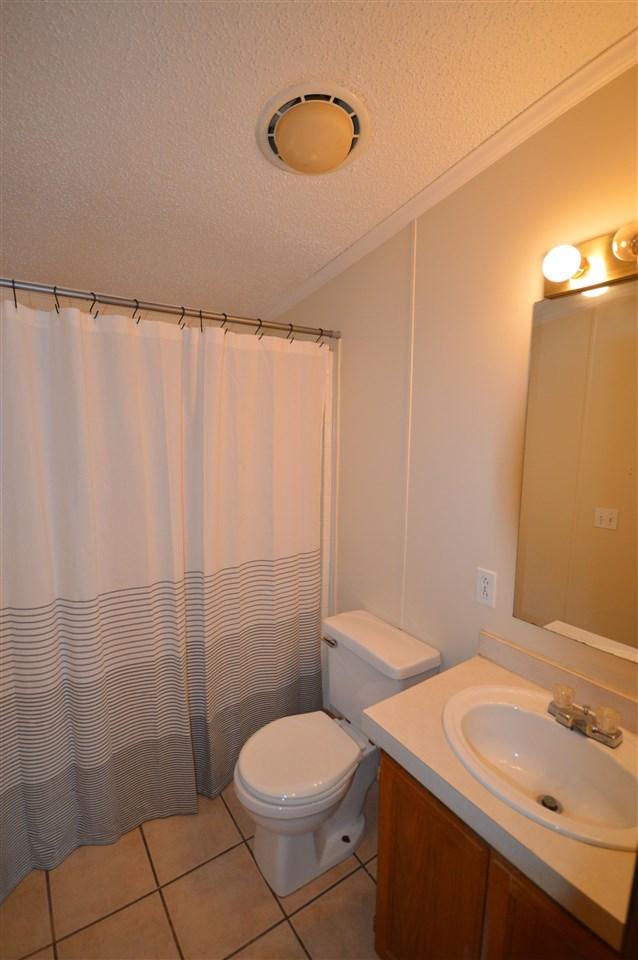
{"x": 577, "y": 571}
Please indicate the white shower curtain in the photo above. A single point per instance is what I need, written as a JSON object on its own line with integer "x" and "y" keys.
{"x": 161, "y": 566}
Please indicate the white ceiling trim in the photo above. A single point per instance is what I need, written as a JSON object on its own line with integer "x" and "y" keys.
{"x": 601, "y": 70}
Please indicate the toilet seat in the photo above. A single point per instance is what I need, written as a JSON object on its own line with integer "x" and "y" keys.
{"x": 297, "y": 761}
{"x": 282, "y": 810}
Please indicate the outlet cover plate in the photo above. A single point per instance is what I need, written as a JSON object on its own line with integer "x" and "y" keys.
{"x": 486, "y": 586}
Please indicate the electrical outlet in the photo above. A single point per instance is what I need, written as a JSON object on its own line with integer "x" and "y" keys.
{"x": 486, "y": 587}
{"x": 606, "y": 517}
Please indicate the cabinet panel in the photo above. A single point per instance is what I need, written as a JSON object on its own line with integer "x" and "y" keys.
{"x": 523, "y": 923}
{"x": 432, "y": 875}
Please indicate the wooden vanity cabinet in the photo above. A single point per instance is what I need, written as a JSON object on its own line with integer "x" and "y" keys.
{"x": 522, "y": 922}
{"x": 432, "y": 875}
{"x": 444, "y": 894}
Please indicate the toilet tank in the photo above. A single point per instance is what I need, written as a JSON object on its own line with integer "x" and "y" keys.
{"x": 368, "y": 660}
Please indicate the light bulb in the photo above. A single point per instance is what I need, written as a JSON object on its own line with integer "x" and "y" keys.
{"x": 624, "y": 243}
{"x": 562, "y": 263}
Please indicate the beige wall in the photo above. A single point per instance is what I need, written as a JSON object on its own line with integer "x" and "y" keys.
{"x": 436, "y": 329}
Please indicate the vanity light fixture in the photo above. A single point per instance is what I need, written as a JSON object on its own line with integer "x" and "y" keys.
{"x": 593, "y": 265}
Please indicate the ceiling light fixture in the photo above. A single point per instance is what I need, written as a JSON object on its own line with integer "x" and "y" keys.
{"x": 313, "y": 128}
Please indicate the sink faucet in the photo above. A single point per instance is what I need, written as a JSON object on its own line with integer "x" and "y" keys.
{"x": 601, "y": 724}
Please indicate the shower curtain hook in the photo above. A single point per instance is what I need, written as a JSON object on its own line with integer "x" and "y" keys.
{"x": 320, "y": 337}
{"x": 290, "y": 337}
{"x": 57, "y": 302}
{"x": 260, "y": 324}
{"x": 180, "y": 323}
{"x": 15, "y": 299}
{"x": 201, "y": 322}
{"x": 224, "y": 321}
{"x": 137, "y": 307}
{"x": 93, "y": 302}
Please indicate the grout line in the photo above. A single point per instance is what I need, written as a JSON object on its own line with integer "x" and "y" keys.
{"x": 346, "y": 876}
{"x": 51, "y": 920}
{"x": 298, "y": 936}
{"x": 170, "y": 923}
{"x": 161, "y": 894}
{"x": 283, "y": 912}
{"x": 106, "y": 916}
{"x": 248, "y": 943}
{"x": 230, "y": 814}
{"x": 204, "y": 863}
{"x": 365, "y": 867}
{"x": 148, "y": 854}
{"x": 28, "y": 956}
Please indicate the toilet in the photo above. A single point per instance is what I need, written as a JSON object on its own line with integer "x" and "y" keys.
{"x": 304, "y": 779}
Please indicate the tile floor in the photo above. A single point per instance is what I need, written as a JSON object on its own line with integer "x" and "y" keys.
{"x": 189, "y": 887}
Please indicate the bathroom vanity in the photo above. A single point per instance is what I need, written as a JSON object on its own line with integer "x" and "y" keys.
{"x": 443, "y": 892}
{"x": 461, "y": 873}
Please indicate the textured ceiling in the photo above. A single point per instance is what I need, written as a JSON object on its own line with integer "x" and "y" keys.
{"x": 130, "y": 159}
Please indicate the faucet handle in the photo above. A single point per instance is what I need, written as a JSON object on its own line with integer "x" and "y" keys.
{"x": 607, "y": 719}
{"x": 563, "y": 695}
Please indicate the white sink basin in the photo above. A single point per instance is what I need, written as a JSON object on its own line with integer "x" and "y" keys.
{"x": 508, "y": 741}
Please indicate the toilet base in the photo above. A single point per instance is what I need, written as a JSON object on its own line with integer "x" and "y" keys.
{"x": 289, "y": 861}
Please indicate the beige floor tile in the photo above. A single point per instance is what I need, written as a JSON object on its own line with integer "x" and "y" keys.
{"x": 298, "y": 898}
{"x": 220, "y": 906}
{"x": 242, "y": 817}
{"x": 178, "y": 844}
{"x": 339, "y": 925}
{"x": 368, "y": 846}
{"x": 94, "y": 880}
{"x": 24, "y": 918}
{"x": 139, "y": 932}
{"x": 279, "y": 944}
{"x": 371, "y": 867}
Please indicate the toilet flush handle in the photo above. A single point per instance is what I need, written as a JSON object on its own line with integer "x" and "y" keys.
{"x": 329, "y": 641}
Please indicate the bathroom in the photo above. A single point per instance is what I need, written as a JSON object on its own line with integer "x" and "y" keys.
{"x": 136, "y": 165}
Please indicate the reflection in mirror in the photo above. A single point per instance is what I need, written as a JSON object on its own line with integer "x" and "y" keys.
{"x": 576, "y": 570}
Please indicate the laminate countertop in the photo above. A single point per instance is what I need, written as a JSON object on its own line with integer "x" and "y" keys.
{"x": 593, "y": 883}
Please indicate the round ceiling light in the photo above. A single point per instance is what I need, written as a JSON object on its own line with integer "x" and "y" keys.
{"x": 313, "y": 129}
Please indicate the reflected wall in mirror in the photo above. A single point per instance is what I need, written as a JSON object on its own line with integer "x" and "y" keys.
{"x": 576, "y": 571}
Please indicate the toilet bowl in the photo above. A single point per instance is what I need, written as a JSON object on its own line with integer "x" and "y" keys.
{"x": 304, "y": 778}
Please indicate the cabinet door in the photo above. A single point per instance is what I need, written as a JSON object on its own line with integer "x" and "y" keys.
{"x": 523, "y": 923}
{"x": 432, "y": 875}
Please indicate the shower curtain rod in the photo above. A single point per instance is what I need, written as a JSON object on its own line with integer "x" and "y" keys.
{"x": 182, "y": 312}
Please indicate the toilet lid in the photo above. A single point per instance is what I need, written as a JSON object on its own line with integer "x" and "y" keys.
{"x": 297, "y": 758}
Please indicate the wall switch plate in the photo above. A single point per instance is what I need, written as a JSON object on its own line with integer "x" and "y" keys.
{"x": 606, "y": 518}
{"x": 486, "y": 586}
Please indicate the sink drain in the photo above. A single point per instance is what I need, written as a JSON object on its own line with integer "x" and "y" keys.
{"x": 550, "y": 803}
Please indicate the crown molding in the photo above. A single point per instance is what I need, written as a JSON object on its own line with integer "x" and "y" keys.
{"x": 587, "y": 80}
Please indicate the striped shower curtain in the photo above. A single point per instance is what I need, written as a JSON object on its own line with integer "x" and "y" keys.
{"x": 161, "y": 566}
